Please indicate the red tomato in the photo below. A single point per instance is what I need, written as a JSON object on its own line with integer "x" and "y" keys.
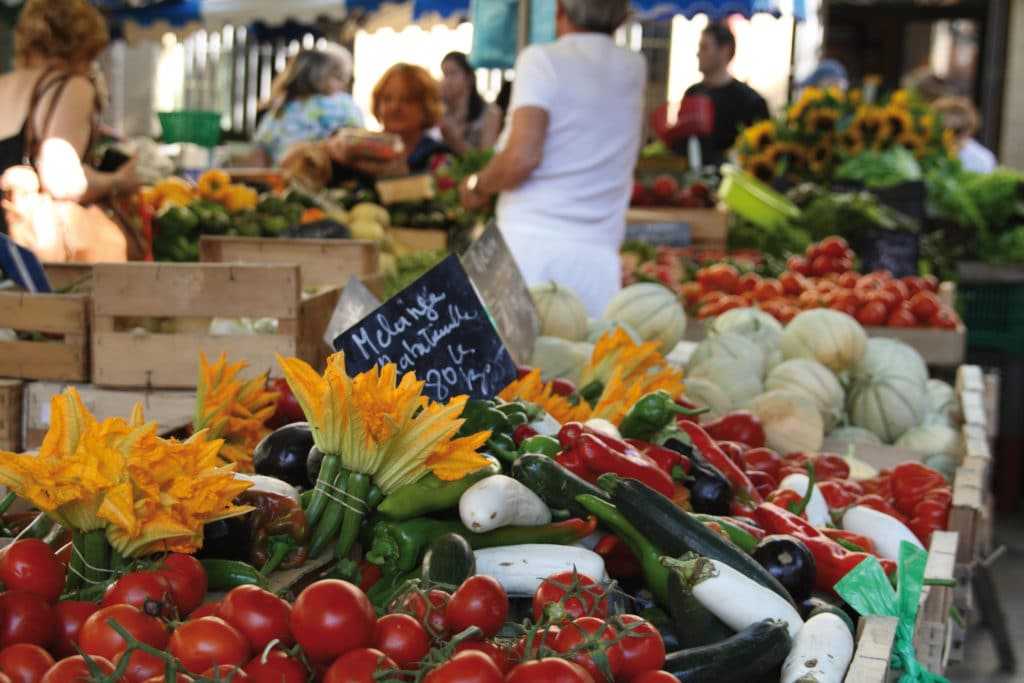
{"x": 188, "y": 581}
{"x": 692, "y": 292}
{"x": 331, "y": 617}
{"x": 591, "y": 630}
{"x": 792, "y": 283}
{"x": 149, "y": 591}
{"x": 209, "y": 609}
{"x": 809, "y": 299}
{"x": 872, "y": 314}
{"x": 71, "y": 614}
{"x": 30, "y": 565}
{"x": 545, "y": 637}
{"x": 97, "y": 638}
{"x": 914, "y": 284}
{"x": 655, "y": 677}
{"x": 162, "y": 678}
{"x": 358, "y": 666}
{"x": 466, "y": 667}
{"x": 258, "y": 615}
{"x": 786, "y": 313}
{"x": 480, "y": 601}
{"x": 848, "y": 280}
{"x": 730, "y": 302}
{"x": 570, "y": 595}
{"x": 431, "y": 614}
{"x": 767, "y": 290}
{"x": 642, "y": 646}
{"x": 833, "y": 246}
{"x": 711, "y": 298}
{"x": 276, "y": 667}
{"x": 897, "y": 288}
{"x": 403, "y": 638}
{"x": 25, "y": 618}
{"x": 495, "y": 653}
{"x": 901, "y": 316}
{"x": 221, "y": 672}
{"x": 202, "y": 643}
{"x": 944, "y": 319}
{"x": 822, "y": 265}
{"x": 141, "y": 667}
{"x": 748, "y": 282}
{"x": 721, "y": 277}
{"x": 762, "y": 481}
{"x": 550, "y": 670}
{"x": 931, "y": 283}
{"x": 798, "y": 264}
{"x": 25, "y": 663}
{"x": 842, "y": 266}
{"x": 75, "y": 670}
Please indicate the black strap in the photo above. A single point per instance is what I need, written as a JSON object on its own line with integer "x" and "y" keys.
{"x": 33, "y": 138}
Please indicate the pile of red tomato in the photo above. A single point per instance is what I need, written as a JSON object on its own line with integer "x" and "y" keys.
{"x": 823, "y": 278}
{"x": 331, "y": 632}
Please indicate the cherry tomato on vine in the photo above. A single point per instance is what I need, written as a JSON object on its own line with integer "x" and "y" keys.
{"x": 496, "y": 654}
{"x": 275, "y": 666}
{"x": 431, "y": 615}
{"x": 480, "y": 601}
{"x": 25, "y": 618}
{"x": 571, "y": 595}
{"x": 655, "y": 677}
{"x": 331, "y": 617}
{"x": 162, "y": 678}
{"x": 544, "y": 637}
{"x": 210, "y": 609}
{"x": 97, "y": 638}
{"x": 466, "y": 667}
{"x": 71, "y": 614}
{"x": 75, "y": 670}
{"x": 188, "y": 581}
{"x": 149, "y": 591}
{"x": 206, "y": 642}
{"x": 592, "y": 633}
{"x": 359, "y": 666}
{"x": 642, "y": 647}
{"x": 259, "y": 615}
{"x": 30, "y": 565}
{"x": 550, "y": 670}
{"x": 141, "y": 666}
{"x": 222, "y": 672}
{"x": 25, "y": 663}
{"x": 402, "y": 638}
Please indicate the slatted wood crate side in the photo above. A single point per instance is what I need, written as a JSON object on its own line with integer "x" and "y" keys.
{"x": 55, "y": 315}
{"x": 198, "y": 292}
{"x": 10, "y": 414}
{"x": 933, "y": 631}
{"x": 875, "y": 638}
{"x": 322, "y": 262}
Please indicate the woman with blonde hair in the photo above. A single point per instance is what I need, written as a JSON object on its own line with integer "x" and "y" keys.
{"x": 960, "y": 118}
{"x": 52, "y": 103}
{"x": 308, "y": 101}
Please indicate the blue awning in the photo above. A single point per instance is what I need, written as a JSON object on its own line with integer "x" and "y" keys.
{"x": 716, "y": 9}
{"x": 174, "y": 12}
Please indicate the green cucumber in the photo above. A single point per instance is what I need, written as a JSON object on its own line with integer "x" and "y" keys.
{"x": 556, "y": 486}
{"x": 449, "y": 561}
{"x": 747, "y": 656}
{"x": 694, "y": 623}
{"x": 677, "y": 532}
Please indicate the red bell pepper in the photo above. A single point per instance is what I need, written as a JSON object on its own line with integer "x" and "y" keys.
{"x": 785, "y": 498}
{"x": 522, "y": 433}
{"x": 665, "y": 458}
{"x": 600, "y": 458}
{"x": 931, "y": 515}
{"x": 836, "y": 497}
{"x": 702, "y": 441}
{"x": 762, "y": 481}
{"x": 859, "y": 540}
{"x": 735, "y": 450}
{"x": 910, "y": 482}
{"x": 832, "y": 561}
{"x": 851, "y": 486}
{"x": 876, "y": 502}
{"x": 764, "y": 460}
{"x": 739, "y": 425}
{"x": 619, "y": 560}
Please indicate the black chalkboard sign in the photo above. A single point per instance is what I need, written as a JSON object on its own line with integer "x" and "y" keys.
{"x": 893, "y": 250}
{"x": 438, "y": 328}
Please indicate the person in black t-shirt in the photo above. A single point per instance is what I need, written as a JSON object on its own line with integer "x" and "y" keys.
{"x": 737, "y": 105}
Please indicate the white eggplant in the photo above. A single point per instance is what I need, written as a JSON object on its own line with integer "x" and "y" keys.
{"x": 267, "y": 484}
{"x": 817, "y": 508}
{"x": 520, "y": 569}
{"x": 737, "y": 600}
{"x": 821, "y": 652}
{"x": 885, "y": 531}
{"x": 499, "y": 501}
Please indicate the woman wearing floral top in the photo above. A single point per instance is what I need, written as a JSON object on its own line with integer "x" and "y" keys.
{"x": 308, "y": 102}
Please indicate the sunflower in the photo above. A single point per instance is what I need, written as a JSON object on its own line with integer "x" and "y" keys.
{"x": 820, "y": 158}
{"x": 854, "y": 97}
{"x": 822, "y": 120}
{"x": 914, "y": 143}
{"x": 900, "y": 98}
{"x": 851, "y": 142}
{"x": 867, "y": 123}
{"x": 759, "y": 136}
{"x": 762, "y": 167}
{"x": 896, "y": 121}
{"x": 950, "y": 143}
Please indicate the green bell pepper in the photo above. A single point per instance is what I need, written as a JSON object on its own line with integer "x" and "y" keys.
{"x": 651, "y": 414}
{"x": 545, "y": 445}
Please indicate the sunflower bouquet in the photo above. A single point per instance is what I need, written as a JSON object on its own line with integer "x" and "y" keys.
{"x": 825, "y": 127}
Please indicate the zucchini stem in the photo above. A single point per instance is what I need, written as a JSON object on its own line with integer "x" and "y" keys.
{"x": 355, "y": 509}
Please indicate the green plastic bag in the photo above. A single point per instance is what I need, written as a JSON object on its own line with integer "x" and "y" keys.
{"x": 867, "y": 589}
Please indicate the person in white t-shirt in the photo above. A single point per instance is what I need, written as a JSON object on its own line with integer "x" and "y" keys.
{"x": 564, "y": 167}
{"x": 960, "y": 116}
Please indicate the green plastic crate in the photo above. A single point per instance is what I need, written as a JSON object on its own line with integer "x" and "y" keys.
{"x": 198, "y": 127}
{"x": 994, "y": 315}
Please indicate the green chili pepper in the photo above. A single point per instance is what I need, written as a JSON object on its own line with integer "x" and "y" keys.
{"x": 651, "y": 414}
{"x": 481, "y": 416}
{"x": 741, "y": 537}
{"x": 388, "y": 587}
{"x": 399, "y": 546}
{"x": 503, "y": 448}
{"x": 513, "y": 408}
{"x": 592, "y": 392}
{"x": 545, "y": 445}
{"x": 431, "y": 494}
{"x": 655, "y": 575}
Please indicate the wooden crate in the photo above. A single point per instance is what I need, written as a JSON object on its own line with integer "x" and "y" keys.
{"x": 328, "y": 262}
{"x": 708, "y": 227}
{"x": 408, "y": 240}
{"x": 10, "y": 414}
{"x": 192, "y": 295}
{"x": 875, "y": 638}
{"x": 171, "y": 409}
{"x": 74, "y": 276}
{"x": 62, "y": 321}
{"x": 413, "y": 188}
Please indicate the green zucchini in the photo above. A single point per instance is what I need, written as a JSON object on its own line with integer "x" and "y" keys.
{"x": 449, "y": 561}
{"x": 746, "y": 656}
{"x": 556, "y": 486}
{"x": 223, "y": 575}
{"x": 694, "y": 624}
{"x": 677, "y": 532}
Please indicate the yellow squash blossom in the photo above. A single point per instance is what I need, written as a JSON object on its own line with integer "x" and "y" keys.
{"x": 641, "y": 365}
{"x": 233, "y": 409}
{"x": 380, "y": 426}
{"x": 532, "y": 389}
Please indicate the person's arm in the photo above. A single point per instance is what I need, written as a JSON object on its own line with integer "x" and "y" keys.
{"x": 492, "y": 127}
{"x": 510, "y": 167}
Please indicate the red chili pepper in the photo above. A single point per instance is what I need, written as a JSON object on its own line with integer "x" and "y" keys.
{"x": 788, "y": 469}
{"x": 665, "y": 458}
{"x": 572, "y": 431}
{"x": 749, "y": 525}
{"x": 601, "y": 458}
{"x": 369, "y": 574}
{"x": 910, "y": 482}
{"x": 764, "y": 460}
{"x": 740, "y": 425}
{"x": 865, "y": 543}
{"x": 851, "y": 487}
{"x": 619, "y": 560}
{"x": 689, "y": 405}
{"x": 702, "y": 441}
{"x": 762, "y": 481}
{"x": 831, "y": 466}
{"x": 835, "y": 495}
{"x": 522, "y": 433}
{"x": 785, "y": 498}
{"x": 734, "y": 450}
{"x": 876, "y": 502}
{"x": 944, "y": 495}
{"x": 562, "y": 387}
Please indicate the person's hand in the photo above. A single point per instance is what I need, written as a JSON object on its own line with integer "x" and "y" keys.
{"x": 339, "y": 149}
{"x": 393, "y": 168}
{"x": 471, "y": 200}
{"x": 126, "y": 177}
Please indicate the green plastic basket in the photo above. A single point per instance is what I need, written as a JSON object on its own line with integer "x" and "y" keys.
{"x": 753, "y": 200}
{"x": 198, "y": 127}
{"x": 994, "y": 315}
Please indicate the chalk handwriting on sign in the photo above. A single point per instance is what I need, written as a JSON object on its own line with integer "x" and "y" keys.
{"x": 438, "y": 328}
